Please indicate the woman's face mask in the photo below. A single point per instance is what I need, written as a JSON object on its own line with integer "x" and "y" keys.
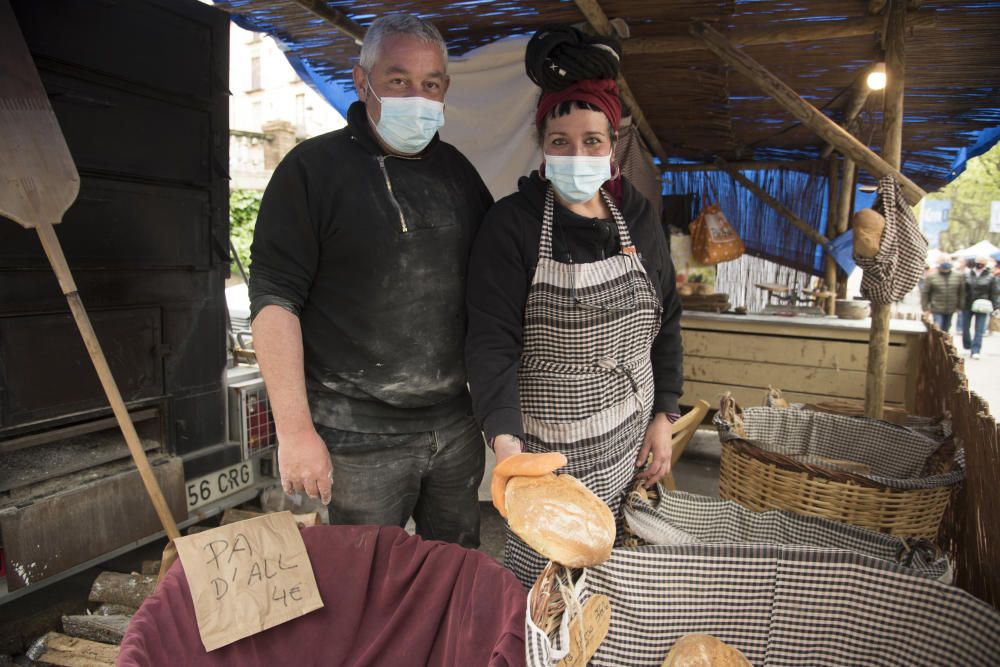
{"x": 408, "y": 124}
{"x": 980, "y": 267}
{"x": 577, "y": 178}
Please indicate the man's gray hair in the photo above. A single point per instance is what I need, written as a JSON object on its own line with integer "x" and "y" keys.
{"x": 398, "y": 24}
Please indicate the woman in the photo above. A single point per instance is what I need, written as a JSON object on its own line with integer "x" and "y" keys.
{"x": 574, "y": 323}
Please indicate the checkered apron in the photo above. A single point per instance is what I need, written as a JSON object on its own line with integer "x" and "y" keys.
{"x": 585, "y": 379}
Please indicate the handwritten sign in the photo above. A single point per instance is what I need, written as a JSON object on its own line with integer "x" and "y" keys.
{"x": 248, "y": 576}
{"x": 587, "y": 630}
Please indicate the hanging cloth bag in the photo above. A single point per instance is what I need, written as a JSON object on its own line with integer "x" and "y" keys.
{"x": 899, "y": 263}
{"x": 713, "y": 239}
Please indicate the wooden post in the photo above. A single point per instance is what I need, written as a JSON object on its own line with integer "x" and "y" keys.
{"x": 598, "y": 20}
{"x": 786, "y": 33}
{"x": 892, "y": 149}
{"x": 831, "y": 217}
{"x": 782, "y": 210}
{"x": 844, "y": 211}
{"x": 809, "y": 115}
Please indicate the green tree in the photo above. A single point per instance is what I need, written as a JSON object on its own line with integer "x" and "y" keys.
{"x": 243, "y": 207}
{"x": 970, "y": 195}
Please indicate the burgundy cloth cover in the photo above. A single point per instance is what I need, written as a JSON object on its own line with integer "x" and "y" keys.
{"x": 389, "y": 599}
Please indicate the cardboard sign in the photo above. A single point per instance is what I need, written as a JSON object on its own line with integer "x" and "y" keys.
{"x": 248, "y": 576}
{"x": 587, "y": 630}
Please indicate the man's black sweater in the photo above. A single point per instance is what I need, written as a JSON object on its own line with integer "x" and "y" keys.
{"x": 370, "y": 251}
{"x": 504, "y": 258}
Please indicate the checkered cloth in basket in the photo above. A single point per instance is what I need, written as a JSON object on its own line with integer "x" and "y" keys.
{"x": 782, "y": 606}
{"x": 886, "y": 454}
{"x": 678, "y": 517}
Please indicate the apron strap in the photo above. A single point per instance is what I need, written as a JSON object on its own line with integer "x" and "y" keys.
{"x": 623, "y": 235}
{"x": 548, "y": 215}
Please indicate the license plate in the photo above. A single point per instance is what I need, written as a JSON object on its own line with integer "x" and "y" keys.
{"x": 219, "y": 484}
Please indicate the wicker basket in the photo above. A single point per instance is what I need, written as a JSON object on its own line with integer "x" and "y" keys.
{"x": 858, "y": 471}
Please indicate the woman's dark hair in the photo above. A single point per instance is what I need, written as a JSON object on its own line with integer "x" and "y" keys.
{"x": 561, "y": 55}
{"x": 563, "y": 109}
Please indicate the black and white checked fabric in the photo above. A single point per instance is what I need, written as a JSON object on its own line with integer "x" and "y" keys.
{"x": 894, "y": 454}
{"x": 782, "y": 606}
{"x": 687, "y": 518}
{"x": 899, "y": 264}
{"x": 585, "y": 379}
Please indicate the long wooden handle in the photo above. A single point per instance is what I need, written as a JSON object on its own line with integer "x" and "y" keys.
{"x": 58, "y": 261}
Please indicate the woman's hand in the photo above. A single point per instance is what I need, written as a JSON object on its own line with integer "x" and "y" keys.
{"x": 659, "y": 442}
{"x": 505, "y": 446}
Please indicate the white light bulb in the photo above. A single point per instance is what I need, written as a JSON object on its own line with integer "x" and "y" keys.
{"x": 876, "y": 80}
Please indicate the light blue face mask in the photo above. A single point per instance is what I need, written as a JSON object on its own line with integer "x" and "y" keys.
{"x": 577, "y": 178}
{"x": 408, "y": 124}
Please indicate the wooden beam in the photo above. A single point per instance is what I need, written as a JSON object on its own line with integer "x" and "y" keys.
{"x": 832, "y": 178}
{"x": 847, "y": 181}
{"x": 598, "y": 20}
{"x": 334, "y": 17}
{"x": 787, "y": 33}
{"x": 859, "y": 95}
{"x": 892, "y": 149}
{"x": 876, "y": 6}
{"x": 781, "y": 209}
{"x": 797, "y": 165}
{"x": 809, "y": 115}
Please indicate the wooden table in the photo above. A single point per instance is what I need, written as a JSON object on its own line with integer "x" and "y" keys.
{"x": 809, "y": 359}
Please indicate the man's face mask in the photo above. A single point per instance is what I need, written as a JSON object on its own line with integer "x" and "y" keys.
{"x": 944, "y": 267}
{"x": 408, "y": 124}
{"x": 577, "y": 178}
{"x": 980, "y": 267}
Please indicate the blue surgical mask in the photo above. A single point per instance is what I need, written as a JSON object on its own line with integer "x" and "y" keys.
{"x": 577, "y": 178}
{"x": 408, "y": 124}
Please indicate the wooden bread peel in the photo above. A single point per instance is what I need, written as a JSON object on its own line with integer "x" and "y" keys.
{"x": 38, "y": 183}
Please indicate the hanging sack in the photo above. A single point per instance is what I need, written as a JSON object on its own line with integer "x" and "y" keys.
{"x": 898, "y": 263}
{"x": 982, "y": 306}
{"x": 713, "y": 239}
{"x": 995, "y": 323}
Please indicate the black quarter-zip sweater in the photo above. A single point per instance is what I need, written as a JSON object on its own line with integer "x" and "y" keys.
{"x": 370, "y": 251}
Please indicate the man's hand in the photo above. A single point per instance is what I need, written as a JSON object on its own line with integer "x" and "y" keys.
{"x": 659, "y": 441}
{"x": 304, "y": 465}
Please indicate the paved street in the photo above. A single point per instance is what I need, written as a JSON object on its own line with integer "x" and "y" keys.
{"x": 984, "y": 373}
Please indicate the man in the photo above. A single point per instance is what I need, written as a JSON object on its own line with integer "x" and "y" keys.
{"x": 943, "y": 294}
{"x": 357, "y": 288}
{"x": 982, "y": 297}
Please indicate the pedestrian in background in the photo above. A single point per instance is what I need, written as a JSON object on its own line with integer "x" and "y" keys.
{"x": 982, "y": 297}
{"x": 943, "y": 294}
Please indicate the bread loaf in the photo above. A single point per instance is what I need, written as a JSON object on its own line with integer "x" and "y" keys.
{"x": 561, "y": 519}
{"x": 525, "y": 463}
{"x": 704, "y": 651}
{"x": 868, "y": 225}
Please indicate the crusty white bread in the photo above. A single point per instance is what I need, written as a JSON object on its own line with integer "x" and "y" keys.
{"x": 704, "y": 651}
{"x": 561, "y": 519}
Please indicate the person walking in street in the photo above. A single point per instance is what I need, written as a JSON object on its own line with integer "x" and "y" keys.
{"x": 982, "y": 298}
{"x": 943, "y": 294}
{"x": 357, "y": 288}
